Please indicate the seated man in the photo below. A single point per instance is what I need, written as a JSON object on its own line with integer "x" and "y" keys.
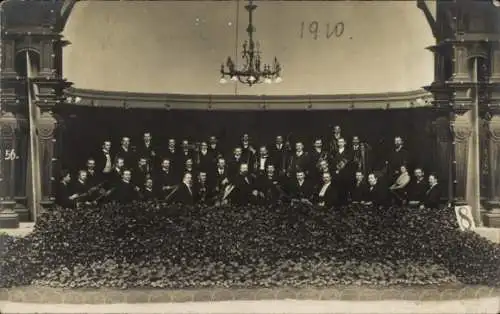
{"x": 376, "y": 195}
{"x": 64, "y": 196}
{"x": 399, "y": 187}
{"x": 301, "y": 189}
{"x": 417, "y": 188}
{"x": 433, "y": 194}
{"x": 184, "y": 194}
{"x": 327, "y": 196}
{"x": 359, "y": 192}
{"x": 125, "y": 191}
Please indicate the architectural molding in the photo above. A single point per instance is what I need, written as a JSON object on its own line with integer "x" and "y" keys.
{"x": 126, "y": 100}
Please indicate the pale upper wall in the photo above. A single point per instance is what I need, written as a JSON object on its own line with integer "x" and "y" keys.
{"x": 178, "y": 46}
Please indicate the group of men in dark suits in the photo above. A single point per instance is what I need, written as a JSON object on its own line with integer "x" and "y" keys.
{"x": 327, "y": 175}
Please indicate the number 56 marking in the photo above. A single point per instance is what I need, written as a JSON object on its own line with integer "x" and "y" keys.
{"x": 10, "y": 154}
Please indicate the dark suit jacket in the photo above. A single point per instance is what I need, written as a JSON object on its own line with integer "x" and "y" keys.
{"x": 63, "y": 192}
{"x": 139, "y": 175}
{"x": 203, "y": 193}
{"x": 128, "y": 157}
{"x": 144, "y": 151}
{"x": 417, "y": 190}
{"x": 234, "y": 166}
{"x": 377, "y": 194}
{"x": 305, "y": 190}
{"x": 93, "y": 178}
{"x": 301, "y": 162}
{"x": 124, "y": 192}
{"x": 270, "y": 187}
{"x": 205, "y": 162}
{"x": 330, "y": 198}
{"x": 433, "y": 197}
{"x": 242, "y": 193}
{"x": 149, "y": 194}
{"x": 397, "y": 159}
{"x": 183, "y": 195}
{"x": 162, "y": 178}
{"x": 256, "y": 165}
{"x": 359, "y": 193}
{"x": 100, "y": 161}
{"x": 279, "y": 157}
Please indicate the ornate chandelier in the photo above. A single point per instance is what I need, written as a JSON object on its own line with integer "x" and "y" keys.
{"x": 252, "y": 72}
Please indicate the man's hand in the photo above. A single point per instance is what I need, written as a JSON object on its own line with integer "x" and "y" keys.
{"x": 255, "y": 192}
{"x": 225, "y": 181}
{"x": 74, "y": 196}
{"x": 137, "y": 189}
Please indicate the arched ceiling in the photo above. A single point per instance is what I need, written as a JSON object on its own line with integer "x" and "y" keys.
{"x": 178, "y": 46}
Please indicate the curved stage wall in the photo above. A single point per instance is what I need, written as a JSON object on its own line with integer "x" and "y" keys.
{"x": 326, "y": 48}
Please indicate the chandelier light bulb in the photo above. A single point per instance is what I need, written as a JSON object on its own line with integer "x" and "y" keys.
{"x": 278, "y": 79}
{"x": 234, "y": 78}
{"x": 267, "y": 80}
{"x": 252, "y": 78}
{"x": 223, "y": 80}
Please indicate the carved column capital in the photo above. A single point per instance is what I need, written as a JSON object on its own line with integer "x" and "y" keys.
{"x": 493, "y": 127}
{"x": 461, "y": 129}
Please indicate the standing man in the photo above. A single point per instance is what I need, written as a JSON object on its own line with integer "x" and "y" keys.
{"x": 146, "y": 150}
{"x": 398, "y": 157}
{"x": 279, "y": 155}
{"x": 104, "y": 160}
{"x": 298, "y": 161}
{"x": 125, "y": 152}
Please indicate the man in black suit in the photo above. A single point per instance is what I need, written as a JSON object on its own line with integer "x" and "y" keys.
{"x": 172, "y": 154}
{"x": 125, "y": 191}
{"x": 433, "y": 193}
{"x": 418, "y": 188}
{"x": 235, "y": 162}
{"x": 148, "y": 192}
{"x": 189, "y": 168}
{"x": 185, "y": 153}
{"x": 327, "y": 196}
{"x": 146, "y": 150}
{"x": 166, "y": 179}
{"x": 279, "y": 155}
{"x": 377, "y": 194}
{"x": 117, "y": 172}
{"x": 398, "y": 157}
{"x": 220, "y": 176}
{"x": 318, "y": 154}
{"x": 298, "y": 161}
{"x": 141, "y": 172}
{"x": 125, "y": 152}
{"x": 184, "y": 193}
{"x": 205, "y": 158}
{"x": 337, "y": 134}
{"x": 301, "y": 188}
{"x": 93, "y": 177}
{"x": 245, "y": 191}
{"x": 104, "y": 160}
{"x": 247, "y": 152}
{"x": 214, "y": 148}
{"x": 361, "y": 154}
{"x": 359, "y": 192}
{"x": 269, "y": 186}
{"x": 64, "y": 195}
{"x": 262, "y": 162}
{"x": 203, "y": 190}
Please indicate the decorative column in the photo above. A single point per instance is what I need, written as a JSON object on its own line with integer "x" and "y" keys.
{"x": 8, "y": 158}
{"x": 461, "y": 130}
{"x": 444, "y": 154}
{"x": 47, "y": 130}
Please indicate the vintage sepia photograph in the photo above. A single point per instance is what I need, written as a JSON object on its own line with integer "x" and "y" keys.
{"x": 250, "y": 156}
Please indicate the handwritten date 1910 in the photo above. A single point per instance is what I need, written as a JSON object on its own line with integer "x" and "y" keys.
{"x": 315, "y": 30}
